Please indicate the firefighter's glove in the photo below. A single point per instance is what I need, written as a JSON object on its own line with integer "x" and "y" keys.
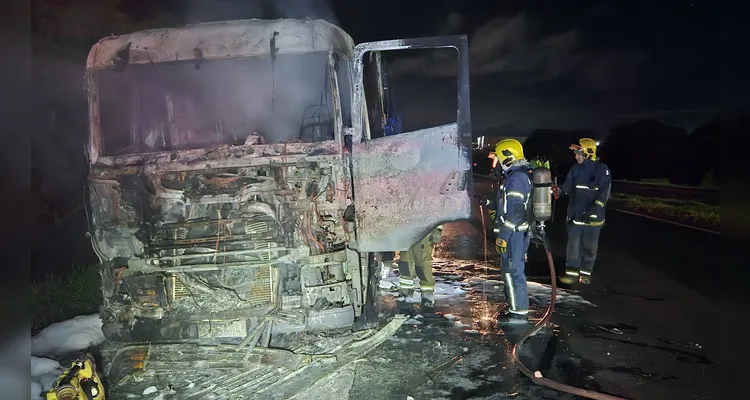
{"x": 556, "y": 192}
{"x": 501, "y": 246}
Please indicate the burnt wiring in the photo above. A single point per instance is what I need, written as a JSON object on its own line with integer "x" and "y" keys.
{"x": 211, "y": 285}
{"x": 195, "y": 300}
{"x": 305, "y": 227}
{"x": 314, "y": 205}
{"x": 310, "y": 235}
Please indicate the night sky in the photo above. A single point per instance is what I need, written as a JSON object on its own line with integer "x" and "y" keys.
{"x": 534, "y": 64}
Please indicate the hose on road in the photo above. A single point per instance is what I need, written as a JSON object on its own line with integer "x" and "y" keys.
{"x": 536, "y": 376}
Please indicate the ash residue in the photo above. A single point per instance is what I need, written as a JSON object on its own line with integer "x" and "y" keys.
{"x": 203, "y": 298}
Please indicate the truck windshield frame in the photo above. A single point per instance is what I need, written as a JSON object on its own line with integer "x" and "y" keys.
{"x": 199, "y": 104}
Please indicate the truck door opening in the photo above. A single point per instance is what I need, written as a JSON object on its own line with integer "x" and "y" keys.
{"x": 406, "y": 184}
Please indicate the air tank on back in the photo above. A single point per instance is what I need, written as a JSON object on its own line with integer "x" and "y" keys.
{"x": 542, "y": 198}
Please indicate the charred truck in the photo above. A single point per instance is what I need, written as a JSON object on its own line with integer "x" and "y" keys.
{"x": 234, "y": 184}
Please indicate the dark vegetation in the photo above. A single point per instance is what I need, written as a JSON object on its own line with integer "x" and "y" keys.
{"x": 63, "y": 31}
{"x": 63, "y": 296}
{"x": 64, "y": 283}
{"x": 645, "y": 150}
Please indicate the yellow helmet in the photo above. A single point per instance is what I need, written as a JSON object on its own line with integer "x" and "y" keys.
{"x": 586, "y": 146}
{"x": 508, "y": 151}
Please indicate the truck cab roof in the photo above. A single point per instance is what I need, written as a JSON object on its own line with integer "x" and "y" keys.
{"x": 221, "y": 40}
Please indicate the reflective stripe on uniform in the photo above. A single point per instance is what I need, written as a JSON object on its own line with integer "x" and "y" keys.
{"x": 406, "y": 282}
{"x": 511, "y": 292}
{"x": 521, "y": 312}
{"x": 586, "y": 187}
{"x": 587, "y": 273}
{"x": 571, "y": 273}
{"x": 595, "y": 223}
{"x": 599, "y": 203}
{"x": 516, "y": 228}
{"x": 517, "y": 194}
{"x": 427, "y": 288}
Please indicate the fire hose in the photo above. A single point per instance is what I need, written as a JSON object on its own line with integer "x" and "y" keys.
{"x": 536, "y": 376}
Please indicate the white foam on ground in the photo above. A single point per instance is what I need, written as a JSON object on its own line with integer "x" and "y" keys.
{"x": 44, "y": 373}
{"x": 389, "y": 281}
{"x": 73, "y": 335}
{"x": 542, "y": 294}
{"x": 538, "y": 293}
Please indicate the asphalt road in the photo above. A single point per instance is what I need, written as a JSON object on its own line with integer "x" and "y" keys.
{"x": 660, "y": 327}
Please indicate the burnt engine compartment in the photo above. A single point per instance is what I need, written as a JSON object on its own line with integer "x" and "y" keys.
{"x": 212, "y": 253}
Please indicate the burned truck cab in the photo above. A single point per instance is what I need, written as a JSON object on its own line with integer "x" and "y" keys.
{"x": 234, "y": 186}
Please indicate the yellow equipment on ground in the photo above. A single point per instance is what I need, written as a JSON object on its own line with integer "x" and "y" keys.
{"x": 80, "y": 382}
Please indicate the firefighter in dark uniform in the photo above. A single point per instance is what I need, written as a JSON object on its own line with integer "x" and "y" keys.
{"x": 588, "y": 184}
{"x": 512, "y": 220}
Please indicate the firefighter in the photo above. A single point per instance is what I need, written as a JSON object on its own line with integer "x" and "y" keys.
{"x": 588, "y": 184}
{"x": 539, "y": 162}
{"x": 544, "y": 162}
{"x": 512, "y": 220}
{"x": 418, "y": 261}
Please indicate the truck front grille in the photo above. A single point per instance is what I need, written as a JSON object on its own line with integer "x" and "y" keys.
{"x": 261, "y": 291}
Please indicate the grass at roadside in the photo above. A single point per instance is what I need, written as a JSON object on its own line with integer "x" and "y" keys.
{"x": 61, "y": 297}
{"x": 684, "y": 211}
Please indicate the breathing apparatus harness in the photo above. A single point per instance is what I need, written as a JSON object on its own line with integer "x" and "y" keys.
{"x": 540, "y": 211}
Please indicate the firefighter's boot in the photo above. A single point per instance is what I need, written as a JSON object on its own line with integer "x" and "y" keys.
{"x": 405, "y": 293}
{"x": 567, "y": 280}
{"x": 428, "y": 298}
{"x": 572, "y": 275}
{"x": 512, "y": 318}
